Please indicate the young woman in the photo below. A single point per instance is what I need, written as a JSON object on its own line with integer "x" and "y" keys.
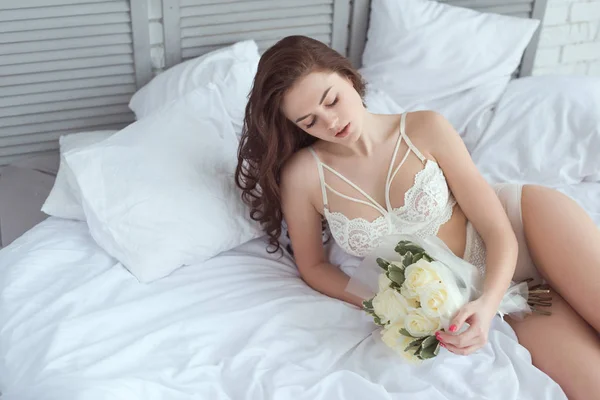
{"x": 311, "y": 152}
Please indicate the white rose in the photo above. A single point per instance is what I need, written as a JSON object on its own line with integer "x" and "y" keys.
{"x": 384, "y": 282}
{"x": 392, "y": 337}
{"x": 390, "y": 306}
{"x": 419, "y": 324}
{"x": 418, "y": 275}
{"x": 439, "y": 299}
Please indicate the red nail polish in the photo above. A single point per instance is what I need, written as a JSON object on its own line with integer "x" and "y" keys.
{"x": 452, "y": 328}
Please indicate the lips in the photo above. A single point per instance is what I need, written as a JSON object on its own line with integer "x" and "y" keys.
{"x": 344, "y": 130}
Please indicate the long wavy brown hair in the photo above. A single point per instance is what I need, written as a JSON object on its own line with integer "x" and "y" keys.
{"x": 269, "y": 139}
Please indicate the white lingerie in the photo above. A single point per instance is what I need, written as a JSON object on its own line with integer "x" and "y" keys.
{"x": 428, "y": 204}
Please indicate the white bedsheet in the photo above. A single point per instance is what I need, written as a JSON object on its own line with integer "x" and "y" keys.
{"x": 75, "y": 325}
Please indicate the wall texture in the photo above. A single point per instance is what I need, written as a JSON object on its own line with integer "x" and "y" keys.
{"x": 570, "y": 39}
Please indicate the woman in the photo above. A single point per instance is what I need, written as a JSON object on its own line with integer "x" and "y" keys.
{"x": 311, "y": 151}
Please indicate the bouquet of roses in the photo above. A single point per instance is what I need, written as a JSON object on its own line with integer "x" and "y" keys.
{"x": 415, "y": 287}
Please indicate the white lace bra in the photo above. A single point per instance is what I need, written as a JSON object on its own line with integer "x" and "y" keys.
{"x": 428, "y": 204}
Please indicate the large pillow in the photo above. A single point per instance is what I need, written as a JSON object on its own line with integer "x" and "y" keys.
{"x": 160, "y": 193}
{"x": 231, "y": 68}
{"x": 430, "y": 55}
{"x": 545, "y": 129}
{"x": 64, "y": 199}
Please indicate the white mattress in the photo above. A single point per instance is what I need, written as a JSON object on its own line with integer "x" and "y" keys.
{"x": 74, "y": 324}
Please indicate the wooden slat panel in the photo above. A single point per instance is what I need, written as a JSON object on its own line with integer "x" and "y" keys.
{"x": 27, "y": 148}
{"x": 54, "y": 135}
{"x": 81, "y": 123}
{"x": 257, "y": 35}
{"x": 66, "y": 22}
{"x": 59, "y": 76}
{"x": 256, "y": 26}
{"x": 66, "y": 65}
{"x": 265, "y": 44}
{"x": 63, "y": 115}
{"x": 66, "y": 85}
{"x": 63, "y": 11}
{"x": 27, "y": 109}
{"x": 54, "y": 45}
{"x": 262, "y": 45}
{"x": 65, "y": 33}
{"x": 16, "y": 5}
{"x": 65, "y": 95}
{"x": 509, "y": 9}
{"x": 244, "y": 6}
{"x": 264, "y": 15}
{"x": 69, "y": 54}
{"x": 340, "y": 23}
{"x": 9, "y": 159}
{"x": 475, "y": 4}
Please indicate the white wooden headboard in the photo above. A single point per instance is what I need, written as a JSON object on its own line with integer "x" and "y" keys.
{"x": 72, "y": 65}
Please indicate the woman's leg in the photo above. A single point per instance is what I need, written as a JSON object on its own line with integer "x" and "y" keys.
{"x": 564, "y": 244}
{"x": 565, "y": 347}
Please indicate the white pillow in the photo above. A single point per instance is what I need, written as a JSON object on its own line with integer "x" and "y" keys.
{"x": 160, "y": 193}
{"x": 422, "y": 52}
{"x": 546, "y": 130}
{"x": 64, "y": 199}
{"x": 379, "y": 102}
{"x": 231, "y": 68}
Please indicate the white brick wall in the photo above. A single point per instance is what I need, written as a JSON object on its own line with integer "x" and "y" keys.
{"x": 570, "y": 39}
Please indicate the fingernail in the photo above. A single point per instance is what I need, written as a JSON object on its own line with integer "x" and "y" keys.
{"x": 452, "y": 328}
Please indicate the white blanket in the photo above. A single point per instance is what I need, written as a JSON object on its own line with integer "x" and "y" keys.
{"x": 75, "y": 325}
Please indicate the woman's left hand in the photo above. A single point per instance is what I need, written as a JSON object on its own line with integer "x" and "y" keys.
{"x": 478, "y": 314}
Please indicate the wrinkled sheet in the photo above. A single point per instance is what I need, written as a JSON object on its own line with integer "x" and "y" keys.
{"x": 75, "y": 325}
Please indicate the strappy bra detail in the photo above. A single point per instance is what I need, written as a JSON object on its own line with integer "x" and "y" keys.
{"x": 428, "y": 204}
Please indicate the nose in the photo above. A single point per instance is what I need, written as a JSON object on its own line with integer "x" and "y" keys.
{"x": 333, "y": 122}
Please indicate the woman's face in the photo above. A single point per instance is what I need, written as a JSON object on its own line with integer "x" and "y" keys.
{"x": 326, "y": 106}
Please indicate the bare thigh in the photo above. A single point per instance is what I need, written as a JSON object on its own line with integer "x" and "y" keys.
{"x": 564, "y": 244}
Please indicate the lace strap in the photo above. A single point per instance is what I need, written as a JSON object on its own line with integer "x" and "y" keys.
{"x": 321, "y": 176}
{"x": 407, "y": 140}
{"x": 375, "y": 206}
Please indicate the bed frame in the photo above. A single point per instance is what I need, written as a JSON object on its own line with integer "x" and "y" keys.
{"x": 72, "y": 65}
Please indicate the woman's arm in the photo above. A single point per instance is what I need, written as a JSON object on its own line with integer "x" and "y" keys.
{"x": 304, "y": 226}
{"x": 478, "y": 201}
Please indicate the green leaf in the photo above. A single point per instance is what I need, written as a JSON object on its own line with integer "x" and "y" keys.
{"x": 405, "y": 333}
{"x": 417, "y": 257}
{"x": 437, "y": 349}
{"x": 405, "y": 246}
{"x": 408, "y": 259}
{"x": 426, "y": 257}
{"x": 415, "y": 344}
{"x": 430, "y": 340}
{"x": 383, "y": 263}
{"x": 427, "y": 352}
{"x": 368, "y": 304}
{"x": 378, "y": 321}
{"x": 396, "y": 275}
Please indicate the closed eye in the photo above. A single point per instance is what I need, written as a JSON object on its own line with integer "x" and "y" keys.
{"x": 314, "y": 121}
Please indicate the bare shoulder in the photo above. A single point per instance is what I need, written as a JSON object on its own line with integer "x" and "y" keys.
{"x": 299, "y": 175}
{"x": 428, "y": 130}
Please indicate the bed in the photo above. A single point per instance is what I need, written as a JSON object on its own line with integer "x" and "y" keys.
{"x": 77, "y": 323}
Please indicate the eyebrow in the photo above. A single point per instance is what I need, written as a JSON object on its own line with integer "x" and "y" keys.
{"x": 320, "y": 102}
